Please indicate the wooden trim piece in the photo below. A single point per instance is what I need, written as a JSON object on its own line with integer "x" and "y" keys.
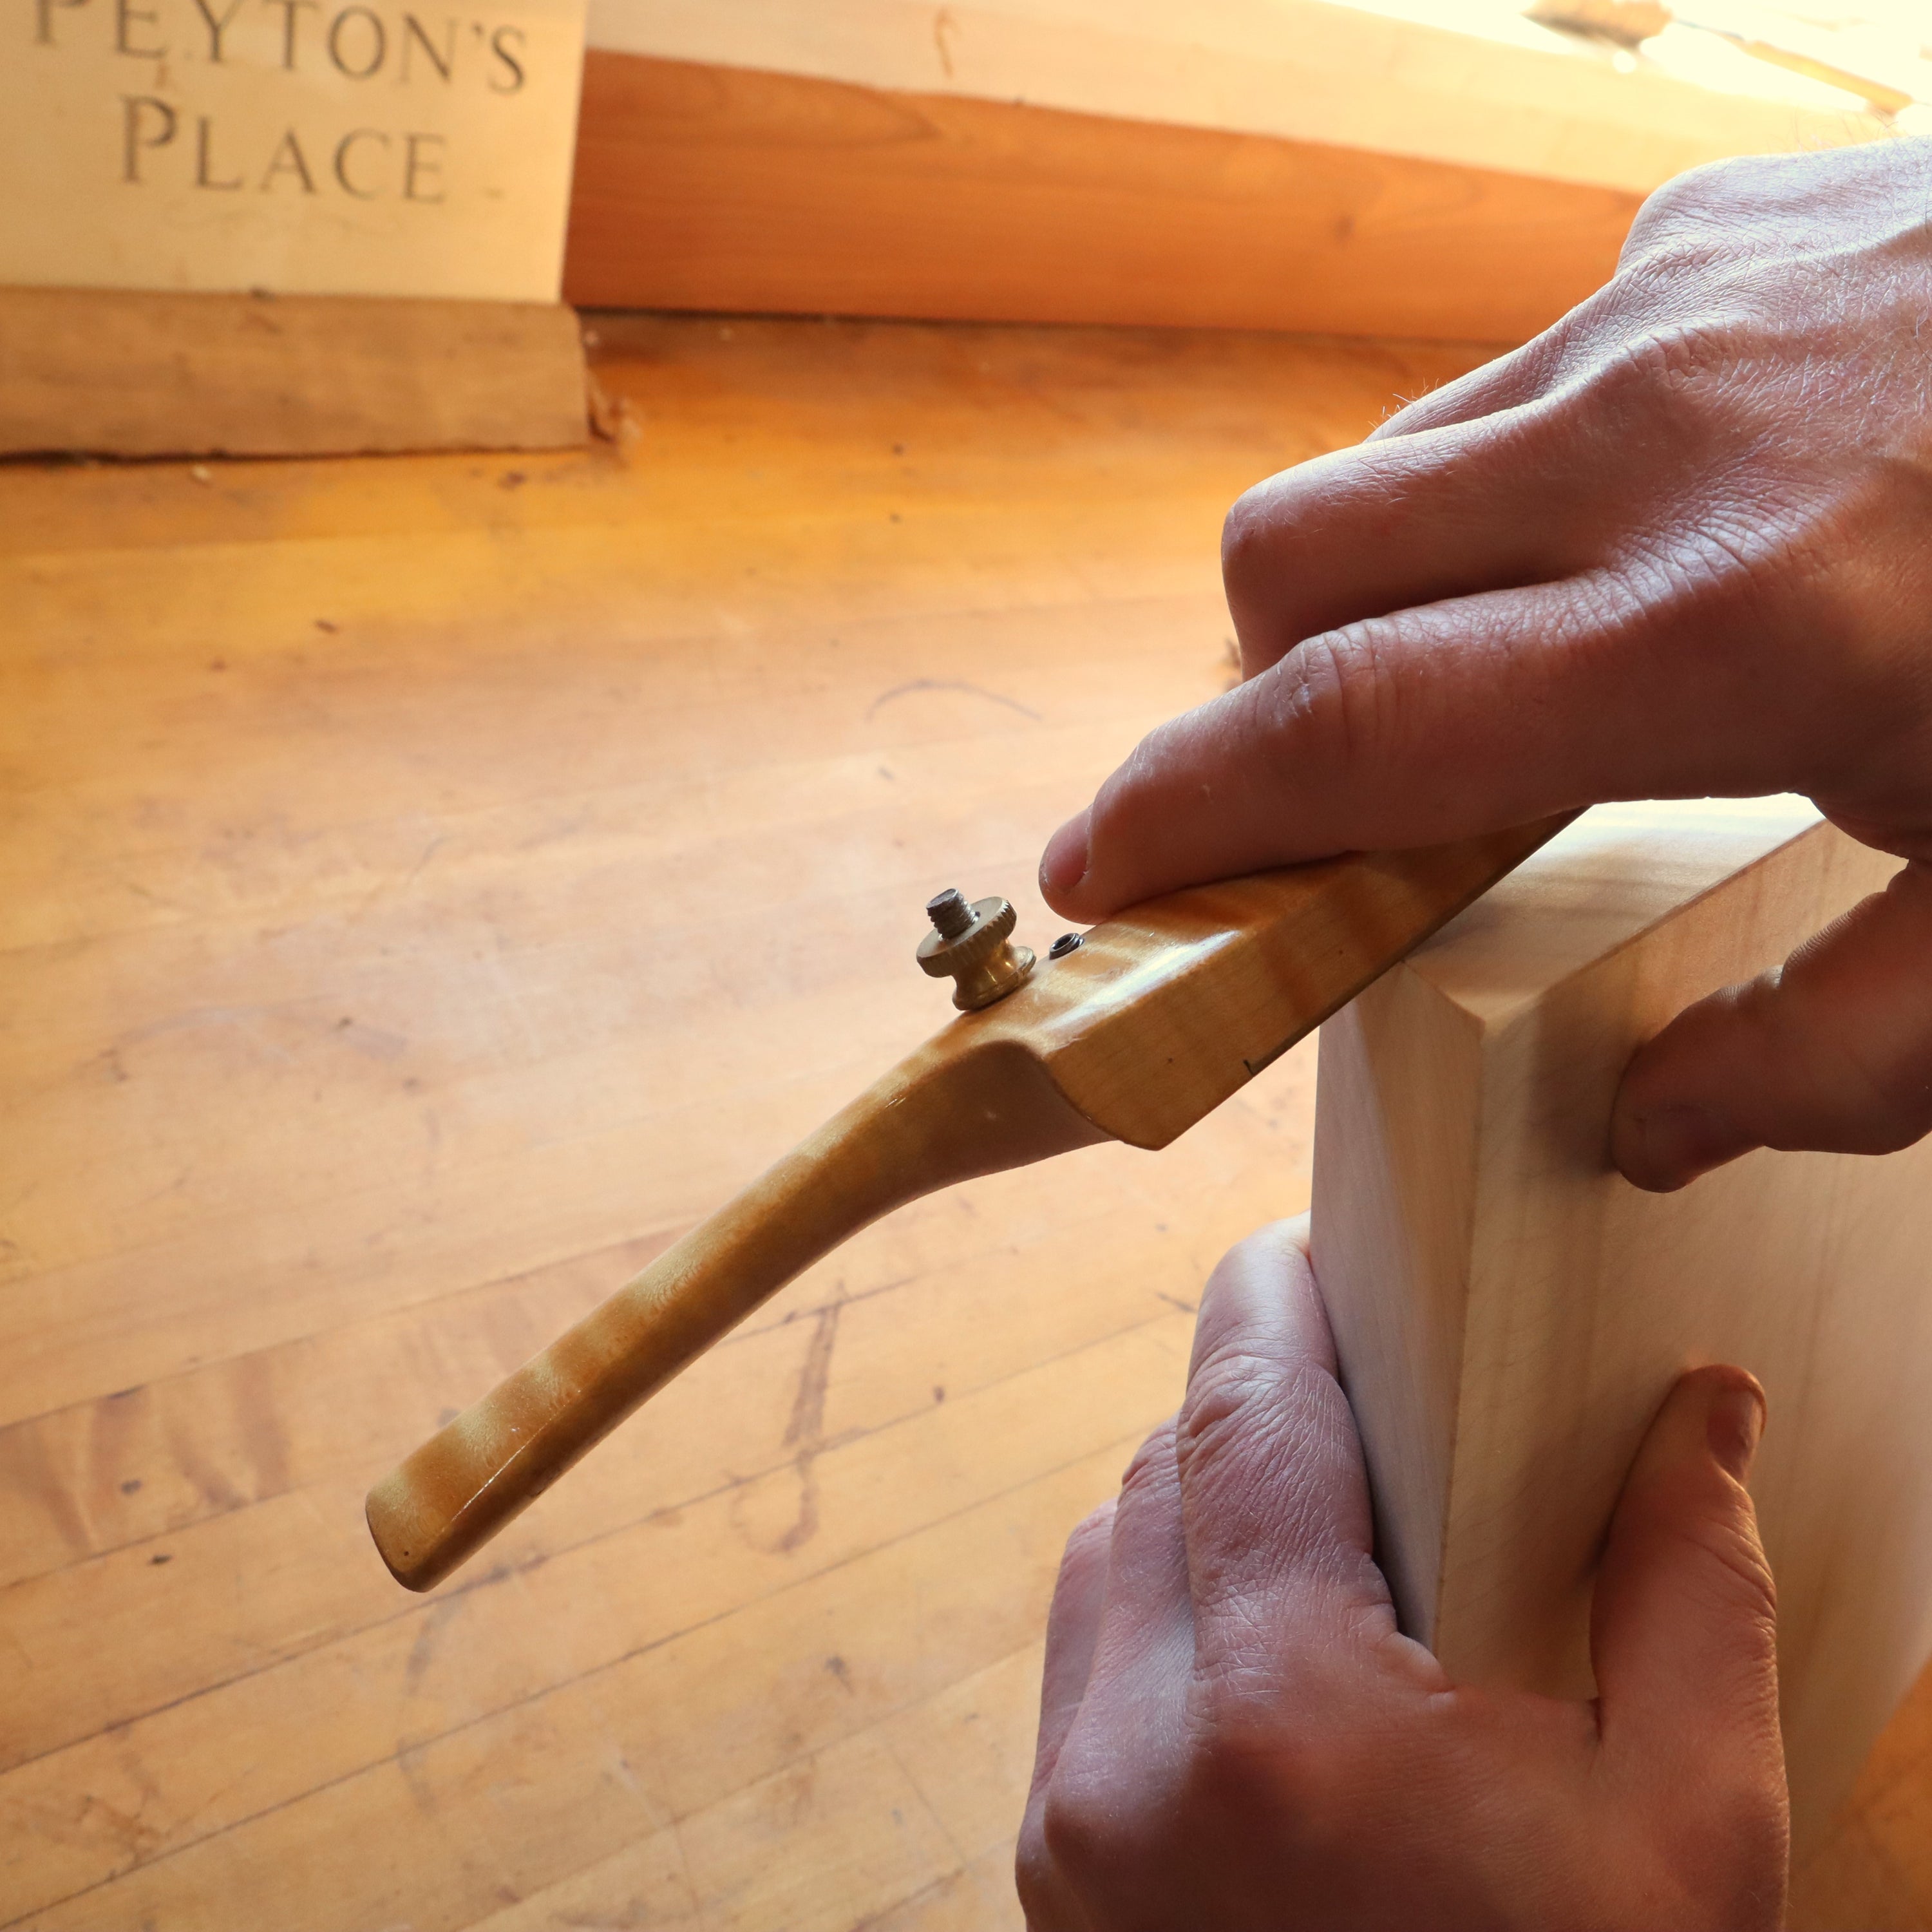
{"x": 123, "y": 372}
{"x": 712, "y": 187}
{"x": 1466, "y": 81}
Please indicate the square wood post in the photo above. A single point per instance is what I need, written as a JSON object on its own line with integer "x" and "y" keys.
{"x": 1509, "y": 1313}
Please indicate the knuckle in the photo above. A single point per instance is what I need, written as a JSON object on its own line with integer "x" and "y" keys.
{"x": 1094, "y": 1527}
{"x": 1851, "y": 567}
{"x": 1251, "y": 562}
{"x": 1695, "y": 212}
{"x": 1249, "y": 1758}
{"x": 1244, "y": 530}
{"x": 1738, "y": 1576}
{"x": 1088, "y": 1539}
{"x": 1332, "y": 701}
{"x": 1033, "y": 1867}
{"x": 1725, "y": 1850}
{"x": 1694, "y": 591}
{"x": 1088, "y": 1822}
{"x": 1675, "y": 380}
{"x": 1225, "y": 1387}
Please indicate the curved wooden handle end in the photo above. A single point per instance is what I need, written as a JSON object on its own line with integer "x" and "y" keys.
{"x": 436, "y": 1509}
{"x": 402, "y": 1537}
{"x": 964, "y": 1105}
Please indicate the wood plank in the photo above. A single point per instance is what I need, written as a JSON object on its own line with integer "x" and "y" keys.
{"x": 1468, "y": 81}
{"x": 712, "y": 1685}
{"x": 133, "y": 372}
{"x": 712, "y": 187}
{"x": 246, "y": 1275}
{"x": 1509, "y": 1313}
{"x": 923, "y": 1309}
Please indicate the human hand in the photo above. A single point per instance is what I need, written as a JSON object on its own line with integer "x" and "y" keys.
{"x": 1234, "y": 1736}
{"x": 1680, "y": 544}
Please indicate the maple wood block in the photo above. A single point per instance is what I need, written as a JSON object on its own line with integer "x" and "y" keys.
{"x": 130, "y": 373}
{"x": 1509, "y": 1313}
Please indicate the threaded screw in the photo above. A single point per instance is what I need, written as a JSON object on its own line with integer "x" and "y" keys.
{"x": 949, "y": 913}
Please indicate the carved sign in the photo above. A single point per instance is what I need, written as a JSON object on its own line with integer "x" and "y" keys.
{"x": 322, "y": 147}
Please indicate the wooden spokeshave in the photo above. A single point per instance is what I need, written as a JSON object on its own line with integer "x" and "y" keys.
{"x": 1151, "y": 1022}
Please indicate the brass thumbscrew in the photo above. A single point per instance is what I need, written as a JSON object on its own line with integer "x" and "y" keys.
{"x": 972, "y": 943}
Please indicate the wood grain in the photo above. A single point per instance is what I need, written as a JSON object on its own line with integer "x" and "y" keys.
{"x": 1459, "y": 81}
{"x": 700, "y": 186}
{"x": 432, "y": 884}
{"x": 1509, "y": 1313}
{"x": 125, "y": 373}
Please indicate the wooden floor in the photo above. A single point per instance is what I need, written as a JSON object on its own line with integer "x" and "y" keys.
{"x": 431, "y": 884}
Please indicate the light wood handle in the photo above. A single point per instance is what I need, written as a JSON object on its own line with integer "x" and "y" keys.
{"x": 1160, "y": 1016}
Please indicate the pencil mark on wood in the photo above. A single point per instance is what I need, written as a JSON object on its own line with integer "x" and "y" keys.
{"x": 918, "y": 684}
{"x": 805, "y": 1431}
{"x": 135, "y": 1842}
{"x": 807, "y": 1426}
{"x": 422, "y": 1652}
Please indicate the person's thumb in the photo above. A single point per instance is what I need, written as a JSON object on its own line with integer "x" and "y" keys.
{"x": 1683, "y": 1627}
{"x": 1832, "y": 1051}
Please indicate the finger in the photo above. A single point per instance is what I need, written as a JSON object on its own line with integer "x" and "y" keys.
{"x": 1145, "y": 1641}
{"x": 1429, "y": 725}
{"x": 1683, "y": 1627}
{"x": 1832, "y": 1051}
{"x": 1073, "y": 1628}
{"x": 1490, "y": 482}
{"x": 1127, "y": 1729}
{"x": 1274, "y": 1497}
{"x": 1415, "y": 519}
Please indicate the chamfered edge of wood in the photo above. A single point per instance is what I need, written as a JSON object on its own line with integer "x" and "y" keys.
{"x": 711, "y": 187}
{"x": 138, "y": 372}
{"x": 1601, "y": 883}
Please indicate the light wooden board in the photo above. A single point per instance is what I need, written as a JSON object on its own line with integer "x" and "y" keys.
{"x": 1471, "y": 81}
{"x": 387, "y": 968}
{"x": 1510, "y": 1312}
{"x": 114, "y": 372}
{"x": 717, "y": 187}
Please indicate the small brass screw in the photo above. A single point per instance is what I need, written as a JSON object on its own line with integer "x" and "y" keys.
{"x": 972, "y": 943}
{"x": 949, "y": 913}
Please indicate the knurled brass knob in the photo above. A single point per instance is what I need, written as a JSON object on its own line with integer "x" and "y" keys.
{"x": 973, "y": 944}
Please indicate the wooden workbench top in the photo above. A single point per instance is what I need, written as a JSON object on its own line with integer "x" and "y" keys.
{"x": 432, "y": 884}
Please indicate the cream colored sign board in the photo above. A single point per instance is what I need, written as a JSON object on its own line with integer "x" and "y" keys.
{"x": 319, "y": 147}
